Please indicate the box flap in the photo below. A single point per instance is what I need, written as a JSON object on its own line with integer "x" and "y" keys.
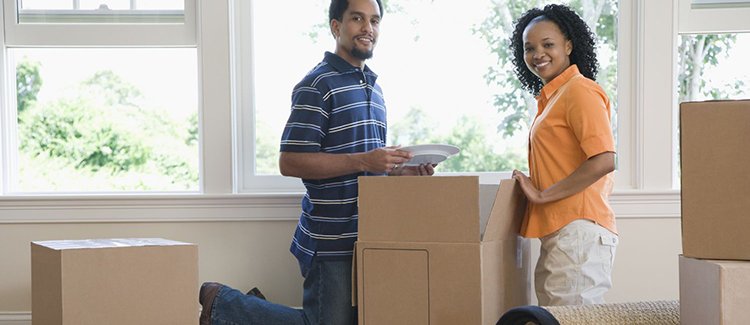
{"x": 422, "y": 209}
{"x": 507, "y": 212}
{"x": 487, "y": 193}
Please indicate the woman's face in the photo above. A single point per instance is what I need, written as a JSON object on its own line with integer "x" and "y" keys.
{"x": 546, "y": 49}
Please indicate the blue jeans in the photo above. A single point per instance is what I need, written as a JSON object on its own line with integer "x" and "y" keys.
{"x": 326, "y": 300}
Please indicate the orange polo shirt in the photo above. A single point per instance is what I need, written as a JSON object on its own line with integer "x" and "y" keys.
{"x": 572, "y": 125}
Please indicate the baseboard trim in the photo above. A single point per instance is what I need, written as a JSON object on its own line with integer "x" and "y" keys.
{"x": 15, "y": 318}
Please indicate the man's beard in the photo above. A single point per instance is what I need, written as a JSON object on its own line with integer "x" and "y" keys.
{"x": 362, "y": 55}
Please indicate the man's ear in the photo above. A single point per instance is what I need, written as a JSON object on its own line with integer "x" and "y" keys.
{"x": 335, "y": 28}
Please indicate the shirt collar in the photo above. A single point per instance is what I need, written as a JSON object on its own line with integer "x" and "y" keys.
{"x": 342, "y": 65}
{"x": 552, "y": 86}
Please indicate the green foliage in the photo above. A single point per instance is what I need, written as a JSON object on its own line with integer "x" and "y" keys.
{"x": 415, "y": 128}
{"x": 110, "y": 87}
{"x": 469, "y": 134}
{"x": 266, "y": 150}
{"x": 193, "y": 131}
{"x": 100, "y": 138}
{"x": 476, "y": 153}
{"x": 696, "y": 53}
{"x": 83, "y": 135}
{"x": 28, "y": 84}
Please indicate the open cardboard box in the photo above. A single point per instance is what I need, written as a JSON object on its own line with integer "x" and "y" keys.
{"x": 429, "y": 253}
{"x": 114, "y": 281}
{"x": 714, "y": 137}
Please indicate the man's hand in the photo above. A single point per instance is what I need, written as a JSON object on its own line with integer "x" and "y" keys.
{"x": 421, "y": 170}
{"x": 383, "y": 160}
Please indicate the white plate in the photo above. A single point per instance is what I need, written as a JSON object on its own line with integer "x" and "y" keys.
{"x": 429, "y": 153}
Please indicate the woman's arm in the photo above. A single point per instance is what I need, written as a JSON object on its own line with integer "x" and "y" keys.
{"x": 588, "y": 173}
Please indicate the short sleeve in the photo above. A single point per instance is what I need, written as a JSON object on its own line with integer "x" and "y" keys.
{"x": 588, "y": 116}
{"x": 308, "y": 122}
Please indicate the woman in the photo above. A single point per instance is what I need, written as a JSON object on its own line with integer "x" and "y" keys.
{"x": 571, "y": 157}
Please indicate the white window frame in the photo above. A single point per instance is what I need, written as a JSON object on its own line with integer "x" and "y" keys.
{"x": 707, "y": 17}
{"x": 80, "y": 34}
{"x": 244, "y": 94}
{"x": 721, "y": 17}
{"x": 212, "y": 42}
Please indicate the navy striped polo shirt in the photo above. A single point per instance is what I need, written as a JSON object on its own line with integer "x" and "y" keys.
{"x": 337, "y": 108}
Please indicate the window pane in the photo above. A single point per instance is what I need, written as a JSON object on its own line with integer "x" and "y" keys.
{"x": 711, "y": 68}
{"x": 101, "y": 11}
{"x": 104, "y": 4}
{"x": 444, "y": 80}
{"x": 106, "y": 120}
{"x": 112, "y": 4}
{"x": 45, "y": 4}
{"x": 160, "y": 5}
{"x": 719, "y": 3}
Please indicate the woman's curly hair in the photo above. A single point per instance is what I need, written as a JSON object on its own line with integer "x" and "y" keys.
{"x": 574, "y": 29}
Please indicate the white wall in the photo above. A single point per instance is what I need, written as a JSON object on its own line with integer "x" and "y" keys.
{"x": 254, "y": 251}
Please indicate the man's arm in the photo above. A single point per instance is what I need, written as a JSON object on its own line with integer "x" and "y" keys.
{"x": 318, "y": 165}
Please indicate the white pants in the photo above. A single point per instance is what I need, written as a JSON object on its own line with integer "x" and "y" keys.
{"x": 575, "y": 265}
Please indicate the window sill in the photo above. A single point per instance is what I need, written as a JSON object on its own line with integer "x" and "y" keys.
{"x": 240, "y": 207}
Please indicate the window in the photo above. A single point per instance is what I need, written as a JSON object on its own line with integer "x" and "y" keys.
{"x": 710, "y": 50}
{"x": 98, "y": 11}
{"x": 94, "y": 111}
{"x": 423, "y": 45}
{"x": 110, "y": 23}
{"x": 719, "y": 3}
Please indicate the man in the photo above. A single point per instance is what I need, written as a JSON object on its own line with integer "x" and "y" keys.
{"x": 336, "y": 132}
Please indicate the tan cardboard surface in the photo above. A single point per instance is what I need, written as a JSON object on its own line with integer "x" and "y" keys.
{"x": 471, "y": 282}
{"x": 145, "y": 284}
{"x": 714, "y": 291}
{"x": 507, "y": 212}
{"x": 512, "y": 280}
{"x": 420, "y": 260}
{"x": 46, "y": 285}
{"x": 421, "y": 209}
{"x": 714, "y": 142}
{"x": 396, "y": 286}
{"x": 467, "y": 283}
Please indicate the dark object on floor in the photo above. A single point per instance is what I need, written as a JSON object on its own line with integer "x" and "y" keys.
{"x": 665, "y": 312}
{"x": 256, "y": 292}
{"x": 527, "y": 315}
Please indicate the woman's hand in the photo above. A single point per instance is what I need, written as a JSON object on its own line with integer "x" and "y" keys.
{"x": 589, "y": 172}
{"x": 531, "y": 192}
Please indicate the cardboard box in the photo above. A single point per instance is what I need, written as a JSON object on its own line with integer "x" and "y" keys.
{"x": 714, "y": 138}
{"x": 714, "y": 292}
{"x": 114, "y": 281}
{"x": 428, "y": 253}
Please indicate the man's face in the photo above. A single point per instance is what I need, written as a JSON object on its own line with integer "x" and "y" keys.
{"x": 357, "y": 32}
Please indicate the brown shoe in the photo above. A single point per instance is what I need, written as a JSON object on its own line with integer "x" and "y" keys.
{"x": 206, "y": 297}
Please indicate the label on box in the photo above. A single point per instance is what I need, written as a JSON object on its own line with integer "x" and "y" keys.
{"x": 519, "y": 252}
